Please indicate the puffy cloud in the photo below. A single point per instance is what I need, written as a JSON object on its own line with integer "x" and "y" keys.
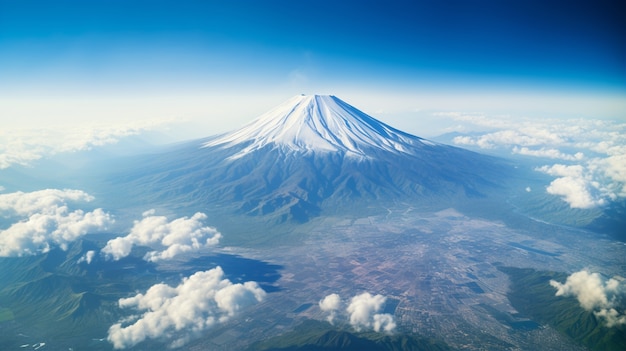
{"x": 383, "y": 321}
{"x": 528, "y": 137}
{"x": 597, "y": 156}
{"x": 575, "y": 184}
{"x": 118, "y": 248}
{"x": 613, "y": 168}
{"x": 25, "y": 145}
{"x": 464, "y": 140}
{"x": 575, "y": 191}
{"x": 48, "y": 223}
{"x": 548, "y": 153}
{"x": 560, "y": 170}
{"x": 363, "y": 312}
{"x": 87, "y": 257}
{"x": 47, "y": 201}
{"x": 330, "y": 304}
{"x": 587, "y": 287}
{"x": 179, "y": 236}
{"x": 611, "y": 316}
{"x": 201, "y": 301}
{"x": 594, "y": 295}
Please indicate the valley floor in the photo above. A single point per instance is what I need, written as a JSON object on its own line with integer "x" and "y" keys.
{"x": 439, "y": 271}
{"x": 443, "y": 274}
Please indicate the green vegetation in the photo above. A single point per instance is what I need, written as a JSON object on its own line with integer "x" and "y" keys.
{"x": 6, "y": 315}
{"x": 51, "y": 297}
{"x": 538, "y": 204}
{"x": 314, "y": 335}
{"x": 532, "y": 295}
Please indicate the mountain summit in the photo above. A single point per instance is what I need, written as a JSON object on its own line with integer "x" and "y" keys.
{"x": 319, "y": 123}
{"x": 309, "y": 155}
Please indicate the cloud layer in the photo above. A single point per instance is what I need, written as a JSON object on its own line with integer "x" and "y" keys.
{"x": 45, "y": 221}
{"x": 595, "y": 295}
{"x": 201, "y": 301}
{"x": 590, "y": 174}
{"x": 23, "y": 146}
{"x": 363, "y": 312}
{"x": 175, "y": 237}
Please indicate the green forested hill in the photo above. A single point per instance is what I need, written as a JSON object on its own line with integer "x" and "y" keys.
{"x": 314, "y": 335}
{"x": 531, "y": 294}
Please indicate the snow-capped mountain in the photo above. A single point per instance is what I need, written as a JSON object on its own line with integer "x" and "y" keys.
{"x": 319, "y": 123}
{"x": 309, "y": 154}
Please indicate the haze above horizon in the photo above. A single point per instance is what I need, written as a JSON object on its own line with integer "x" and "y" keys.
{"x": 100, "y": 61}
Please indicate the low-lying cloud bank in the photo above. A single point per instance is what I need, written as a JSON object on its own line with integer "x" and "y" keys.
{"x": 595, "y": 295}
{"x": 45, "y": 221}
{"x": 362, "y": 312}
{"x": 592, "y": 172}
{"x": 23, "y": 146}
{"x": 175, "y": 237}
{"x": 199, "y": 302}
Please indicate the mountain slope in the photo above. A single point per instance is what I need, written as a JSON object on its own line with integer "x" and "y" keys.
{"x": 319, "y": 124}
{"x": 314, "y": 335}
{"x": 532, "y": 295}
{"x": 307, "y": 154}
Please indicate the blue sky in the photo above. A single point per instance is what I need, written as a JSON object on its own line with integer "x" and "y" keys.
{"x": 203, "y": 55}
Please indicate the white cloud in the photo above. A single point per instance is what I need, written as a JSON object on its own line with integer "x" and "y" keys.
{"x": 383, "y": 321}
{"x": 331, "y": 304}
{"x": 179, "y": 236}
{"x": 611, "y": 316}
{"x": 548, "y": 153}
{"x": 597, "y": 170}
{"x": 560, "y": 170}
{"x": 587, "y": 287}
{"x": 47, "y": 201}
{"x": 87, "y": 257}
{"x": 528, "y": 136}
{"x": 118, "y": 248}
{"x": 49, "y": 222}
{"x": 363, "y": 312}
{"x": 576, "y": 185}
{"x": 577, "y": 192}
{"x": 613, "y": 168}
{"x": 464, "y": 140}
{"x": 594, "y": 295}
{"x": 201, "y": 301}
{"x": 22, "y": 146}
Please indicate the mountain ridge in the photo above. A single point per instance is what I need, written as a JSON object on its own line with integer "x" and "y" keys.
{"x": 271, "y": 168}
{"x": 319, "y": 123}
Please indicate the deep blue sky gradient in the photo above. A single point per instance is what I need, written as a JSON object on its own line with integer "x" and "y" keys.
{"x": 97, "y": 47}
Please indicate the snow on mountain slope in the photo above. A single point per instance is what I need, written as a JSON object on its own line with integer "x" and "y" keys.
{"x": 309, "y": 155}
{"x": 319, "y": 123}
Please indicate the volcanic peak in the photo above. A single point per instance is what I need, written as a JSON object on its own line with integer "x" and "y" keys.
{"x": 319, "y": 123}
